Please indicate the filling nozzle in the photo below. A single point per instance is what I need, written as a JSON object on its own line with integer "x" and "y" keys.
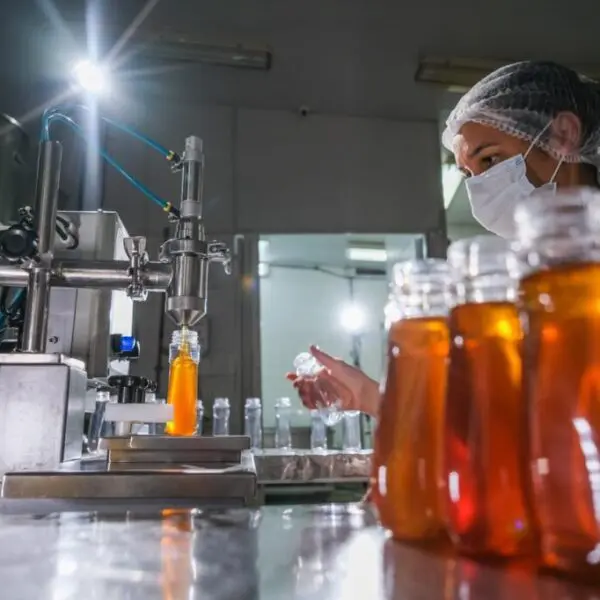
{"x": 188, "y": 252}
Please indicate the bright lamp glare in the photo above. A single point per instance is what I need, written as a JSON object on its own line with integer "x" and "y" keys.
{"x": 90, "y": 76}
{"x": 353, "y": 318}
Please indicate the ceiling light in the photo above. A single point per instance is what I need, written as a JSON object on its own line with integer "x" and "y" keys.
{"x": 460, "y": 74}
{"x": 90, "y": 76}
{"x": 353, "y": 318}
{"x": 180, "y": 48}
{"x": 366, "y": 254}
{"x": 263, "y": 250}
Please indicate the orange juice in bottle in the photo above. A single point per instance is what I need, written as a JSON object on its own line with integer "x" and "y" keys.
{"x": 485, "y": 451}
{"x": 558, "y": 239}
{"x": 408, "y": 441}
{"x": 184, "y": 355}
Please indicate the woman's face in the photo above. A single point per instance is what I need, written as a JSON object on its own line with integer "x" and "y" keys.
{"x": 478, "y": 148}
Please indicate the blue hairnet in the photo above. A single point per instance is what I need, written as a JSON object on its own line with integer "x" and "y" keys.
{"x": 522, "y": 99}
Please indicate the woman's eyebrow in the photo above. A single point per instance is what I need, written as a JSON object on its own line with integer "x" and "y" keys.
{"x": 480, "y": 148}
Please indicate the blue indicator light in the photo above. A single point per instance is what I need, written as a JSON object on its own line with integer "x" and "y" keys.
{"x": 127, "y": 343}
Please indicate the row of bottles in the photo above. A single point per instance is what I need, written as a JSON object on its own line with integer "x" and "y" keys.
{"x": 184, "y": 356}
{"x": 489, "y": 429}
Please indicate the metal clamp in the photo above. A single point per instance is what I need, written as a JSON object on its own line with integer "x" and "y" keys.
{"x": 135, "y": 248}
{"x": 219, "y": 252}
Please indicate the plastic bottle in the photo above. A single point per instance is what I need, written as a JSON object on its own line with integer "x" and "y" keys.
{"x": 318, "y": 432}
{"x": 253, "y": 422}
{"x": 184, "y": 355}
{"x": 351, "y": 435}
{"x": 97, "y": 420}
{"x": 308, "y": 366}
{"x": 283, "y": 430}
{"x": 557, "y": 238}
{"x": 487, "y": 494}
{"x": 408, "y": 441}
{"x": 221, "y": 412}
{"x": 199, "y": 417}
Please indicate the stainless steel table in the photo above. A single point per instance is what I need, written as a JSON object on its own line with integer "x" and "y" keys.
{"x": 332, "y": 552}
{"x": 277, "y": 467}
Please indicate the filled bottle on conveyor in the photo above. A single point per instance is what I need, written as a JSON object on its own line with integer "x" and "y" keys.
{"x": 485, "y": 468}
{"x": 184, "y": 356}
{"x": 408, "y": 441}
{"x": 557, "y": 239}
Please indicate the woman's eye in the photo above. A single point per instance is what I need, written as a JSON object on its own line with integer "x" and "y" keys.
{"x": 489, "y": 161}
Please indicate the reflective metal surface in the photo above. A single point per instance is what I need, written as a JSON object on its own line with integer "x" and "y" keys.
{"x": 38, "y": 287}
{"x": 331, "y": 552}
{"x": 235, "y": 484}
{"x": 188, "y": 252}
{"x": 41, "y": 410}
{"x": 177, "y": 450}
{"x": 82, "y": 318}
{"x": 277, "y": 467}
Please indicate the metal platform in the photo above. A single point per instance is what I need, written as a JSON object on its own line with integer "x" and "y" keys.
{"x": 206, "y": 479}
{"x": 196, "y": 450}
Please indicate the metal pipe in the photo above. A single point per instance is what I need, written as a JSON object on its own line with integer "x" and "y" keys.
{"x": 111, "y": 274}
{"x": 46, "y": 195}
{"x": 35, "y": 328}
{"x": 108, "y": 274}
{"x": 13, "y": 276}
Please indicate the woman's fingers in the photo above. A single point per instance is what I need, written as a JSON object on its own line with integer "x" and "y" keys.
{"x": 334, "y": 365}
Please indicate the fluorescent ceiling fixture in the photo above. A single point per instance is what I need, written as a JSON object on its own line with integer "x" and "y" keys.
{"x": 90, "y": 76}
{"x": 182, "y": 48}
{"x": 263, "y": 249}
{"x": 353, "y": 318}
{"x": 263, "y": 269}
{"x": 366, "y": 254}
{"x": 460, "y": 74}
{"x": 451, "y": 180}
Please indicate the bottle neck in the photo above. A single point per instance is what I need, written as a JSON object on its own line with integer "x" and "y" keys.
{"x": 184, "y": 343}
{"x": 491, "y": 287}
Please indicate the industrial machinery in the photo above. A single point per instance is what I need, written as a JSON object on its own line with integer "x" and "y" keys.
{"x": 43, "y": 383}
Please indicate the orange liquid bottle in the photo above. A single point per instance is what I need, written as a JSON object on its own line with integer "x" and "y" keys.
{"x": 408, "y": 442}
{"x": 485, "y": 461}
{"x": 183, "y": 382}
{"x": 560, "y": 302}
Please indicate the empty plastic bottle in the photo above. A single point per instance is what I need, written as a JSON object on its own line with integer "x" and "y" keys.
{"x": 351, "y": 431}
{"x": 97, "y": 420}
{"x": 199, "y": 417}
{"x": 253, "y": 422}
{"x": 221, "y": 412}
{"x": 309, "y": 367}
{"x": 318, "y": 432}
{"x": 283, "y": 431}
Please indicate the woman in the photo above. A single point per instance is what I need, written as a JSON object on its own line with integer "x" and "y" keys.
{"x": 525, "y": 127}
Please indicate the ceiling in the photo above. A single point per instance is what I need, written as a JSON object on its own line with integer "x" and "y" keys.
{"x": 350, "y": 57}
{"x": 335, "y": 56}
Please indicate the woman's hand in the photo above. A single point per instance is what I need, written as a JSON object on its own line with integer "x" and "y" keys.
{"x": 338, "y": 381}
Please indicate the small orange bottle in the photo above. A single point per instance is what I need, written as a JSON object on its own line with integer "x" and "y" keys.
{"x": 485, "y": 465}
{"x": 408, "y": 441}
{"x": 184, "y": 355}
{"x": 558, "y": 237}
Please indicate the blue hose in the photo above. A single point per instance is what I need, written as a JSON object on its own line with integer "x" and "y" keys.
{"x": 16, "y": 299}
{"x": 162, "y": 150}
{"x": 54, "y": 115}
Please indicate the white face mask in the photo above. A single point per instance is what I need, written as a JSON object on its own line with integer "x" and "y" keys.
{"x": 495, "y": 194}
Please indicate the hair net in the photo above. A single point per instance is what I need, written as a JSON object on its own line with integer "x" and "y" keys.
{"x": 522, "y": 99}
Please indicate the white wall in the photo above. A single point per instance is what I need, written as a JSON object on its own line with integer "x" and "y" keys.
{"x": 299, "y": 308}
